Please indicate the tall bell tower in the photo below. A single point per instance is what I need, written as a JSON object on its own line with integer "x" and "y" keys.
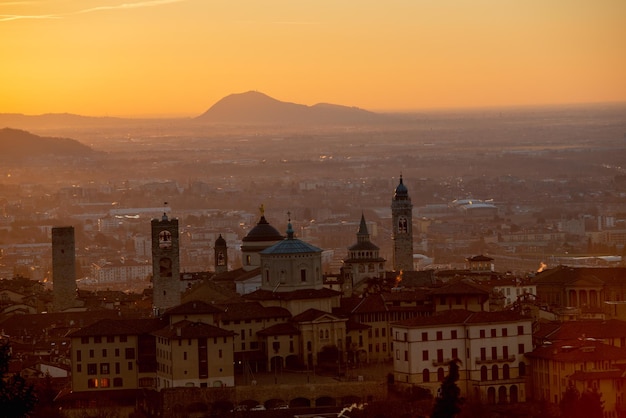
{"x": 402, "y": 228}
{"x": 165, "y": 264}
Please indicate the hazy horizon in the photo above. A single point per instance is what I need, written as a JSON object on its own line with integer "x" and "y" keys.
{"x": 175, "y": 58}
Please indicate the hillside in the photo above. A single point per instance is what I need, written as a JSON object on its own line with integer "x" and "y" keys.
{"x": 16, "y": 144}
{"x": 254, "y": 108}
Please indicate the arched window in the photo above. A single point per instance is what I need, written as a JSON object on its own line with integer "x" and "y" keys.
{"x": 321, "y": 334}
{"x": 522, "y": 369}
{"x": 326, "y": 334}
{"x": 483, "y": 373}
{"x": 426, "y": 375}
{"x": 505, "y": 371}
{"x": 494, "y": 372}
{"x": 440, "y": 374}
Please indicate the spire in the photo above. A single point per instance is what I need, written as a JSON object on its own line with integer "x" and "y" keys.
{"x": 289, "y": 227}
{"x": 363, "y": 235}
{"x": 164, "y": 218}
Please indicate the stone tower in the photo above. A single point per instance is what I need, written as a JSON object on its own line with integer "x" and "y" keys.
{"x": 165, "y": 265}
{"x": 63, "y": 268}
{"x": 221, "y": 255}
{"x": 402, "y": 228}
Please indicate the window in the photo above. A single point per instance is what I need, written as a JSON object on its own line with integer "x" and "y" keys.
{"x": 104, "y": 382}
{"x": 483, "y": 373}
{"x": 377, "y": 348}
{"x": 505, "y": 332}
{"x": 104, "y": 352}
{"x": 426, "y": 375}
{"x": 505, "y": 371}
{"x": 117, "y": 352}
{"x": 440, "y": 355}
{"x": 91, "y": 353}
{"x": 129, "y": 353}
{"x": 79, "y": 368}
{"x": 369, "y": 348}
{"x": 505, "y": 352}
{"x": 439, "y": 335}
{"x": 520, "y": 349}
{"x": 494, "y": 372}
{"x": 376, "y": 332}
{"x": 117, "y": 368}
{"x": 303, "y": 275}
{"x": 110, "y": 339}
{"x": 397, "y": 354}
{"x": 493, "y": 332}
{"x": 104, "y": 368}
{"x": 276, "y": 346}
{"x": 453, "y": 334}
{"x": 424, "y": 336}
{"x": 220, "y": 353}
{"x": 384, "y": 331}
{"x": 243, "y": 346}
{"x": 440, "y": 374}
{"x": 92, "y": 383}
{"x": 455, "y": 353}
{"x": 520, "y": 330}
{"x": 522, "y": 369}
{"x": 483, "y": 353}
{"x": 406, "y": 355}
{"x": 123, "y": 338}
{"x": 184, "y": 355}
{"x": 84, "y": 340}
{"x": 482, "y": 333}
{"x": 79, "y": 355}
{"x": 97, "y": 340}
{"x": 118, "y": 382}
{"x": 130, "y": 365}
{"x": 494, "y": 353}
{"x": 384, "y": 347}
{"x": 92, "y": 368}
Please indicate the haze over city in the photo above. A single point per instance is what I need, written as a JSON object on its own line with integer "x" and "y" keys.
{"x": 337, "y": 209}
{"x": 178, "y": 57}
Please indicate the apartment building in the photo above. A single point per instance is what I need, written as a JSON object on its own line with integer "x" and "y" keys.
{"x": 489, "y": 347}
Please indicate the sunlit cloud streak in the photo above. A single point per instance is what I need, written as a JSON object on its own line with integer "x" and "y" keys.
{"x": 123, "y": 6}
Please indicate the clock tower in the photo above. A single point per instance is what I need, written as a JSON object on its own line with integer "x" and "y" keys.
{"x": 165, "y": 265}
{"x": 221, "y": 255}
{"x": 402, "y": 228}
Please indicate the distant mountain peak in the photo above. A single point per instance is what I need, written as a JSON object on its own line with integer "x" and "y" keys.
{"x": 256, "y": 108}
{"x": 16, "y": 144}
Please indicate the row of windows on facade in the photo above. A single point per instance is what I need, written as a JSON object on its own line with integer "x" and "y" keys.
{"x": 370, "y": 268}
{"x": 454, "y": 335}
{"x": 167, "y": 341}
{"x": 105, "y": 382}
{"x": 129, "y": 353}
{"x": 108, "y": 339}
{"x": 283, "y": 279}
{"x": 484, "y": 373}
{"x": 454, "y": 354}
{"x": 92, "y": 368}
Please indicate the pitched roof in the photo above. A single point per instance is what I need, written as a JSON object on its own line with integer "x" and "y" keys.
{"x": 110, "y": 327}
{"x": 567, "y": 274}
{"x": 251, "y": 310}
{"x": 285, "y": 328}
{"x": 597, "y": 329}
{"x": 194, "y": 307}
{"x": 187, "y": 329}
{"x": 576, "y": 351}
{"x": 460, "y": 287}
{"x": 261, "y": 294}
{"x": 462, "y": 316}
{"x": 310, "y": 315}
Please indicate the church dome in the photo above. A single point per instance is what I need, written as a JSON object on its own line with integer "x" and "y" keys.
{"x": 263, "y": 231}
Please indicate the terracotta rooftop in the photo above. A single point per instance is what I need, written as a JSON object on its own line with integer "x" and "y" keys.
{"x": 109, "y": 327}
{"x": 251, "y": 310}
{"x": 187, "y": 329}
{"x": 462, "y": 316}
{"x": 577, "y": 351}
{"x": 279, "y": 329}
{"x": 194, "y": 307}
{"x": 322, "y": 293}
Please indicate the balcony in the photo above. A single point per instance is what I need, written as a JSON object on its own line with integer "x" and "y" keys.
{"x": 498, "y": 359}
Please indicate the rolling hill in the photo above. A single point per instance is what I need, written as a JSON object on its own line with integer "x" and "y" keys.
{"x": 16, "y": 144}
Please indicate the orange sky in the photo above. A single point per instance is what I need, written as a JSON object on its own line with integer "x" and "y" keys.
{"x": 178, "y": 57}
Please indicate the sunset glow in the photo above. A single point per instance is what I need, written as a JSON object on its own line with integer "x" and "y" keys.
{"x": 178, "y": 57}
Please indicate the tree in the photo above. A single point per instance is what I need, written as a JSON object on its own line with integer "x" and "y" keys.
{"x": 570, "y": 402}
{"x": 591, "y": 404}
{"x": 17, "y": 398}
{"x": 448, "y": 403}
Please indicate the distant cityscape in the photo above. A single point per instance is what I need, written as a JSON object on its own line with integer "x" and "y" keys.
{"x": 251, "y": 283}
